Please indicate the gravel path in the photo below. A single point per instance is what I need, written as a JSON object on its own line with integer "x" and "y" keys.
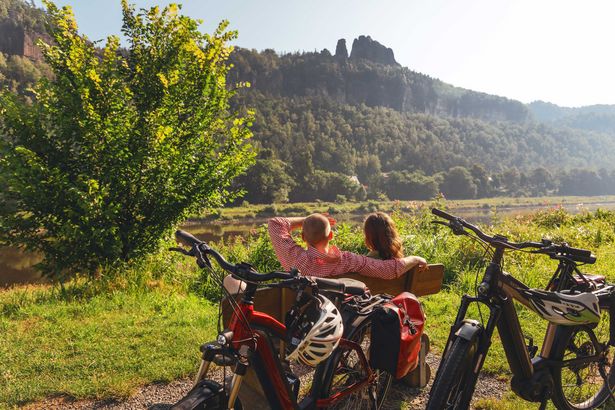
{"x": 162, "y": 396}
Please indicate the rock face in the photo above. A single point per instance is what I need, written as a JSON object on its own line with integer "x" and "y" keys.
{"x": 14, "y": 40}
{"x": 341, "y": 52}
{"x": 366, "y": 48}
{"x": 371, "y": 76}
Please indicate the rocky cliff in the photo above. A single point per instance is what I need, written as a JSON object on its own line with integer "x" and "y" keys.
{"x": 370, "y": 76}
{"x": 367, "y": 49}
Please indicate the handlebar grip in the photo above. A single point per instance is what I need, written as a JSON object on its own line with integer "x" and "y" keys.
{"x": 583, "y": 253}
{"x": 442, "y": 214}
{"x": 186, "y": 238}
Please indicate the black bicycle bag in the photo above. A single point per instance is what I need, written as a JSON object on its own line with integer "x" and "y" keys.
{"x": 397, "y": 326}
{"x": 207, "y": 394}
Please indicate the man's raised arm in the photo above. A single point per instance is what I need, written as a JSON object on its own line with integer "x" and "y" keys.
{"x": 285, "y": 247}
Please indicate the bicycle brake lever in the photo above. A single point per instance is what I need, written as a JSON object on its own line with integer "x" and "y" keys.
{"x": 203, "y": 261}
{"x": 457, "y": 228}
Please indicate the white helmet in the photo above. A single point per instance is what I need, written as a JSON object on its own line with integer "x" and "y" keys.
{"x": 317, "y": 332}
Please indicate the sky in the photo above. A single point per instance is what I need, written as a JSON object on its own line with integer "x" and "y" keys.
{"x": 560, "y": 51}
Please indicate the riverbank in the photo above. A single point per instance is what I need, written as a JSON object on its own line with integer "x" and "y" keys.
{"x": 105, "y": 339}
{"x": 239, "y": 222}
{"x": 251, "y": 211}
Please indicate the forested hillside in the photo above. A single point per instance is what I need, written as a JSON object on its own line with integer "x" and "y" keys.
{"x": 356, "y": 124}
{"x": 599, "y": 117}
{"x": 21, "y": 24}
{"x": 321, "y": 116}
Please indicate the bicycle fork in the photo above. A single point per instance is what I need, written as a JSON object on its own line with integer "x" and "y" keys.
{"x": 471, "y": 330}
{"x": 213, "y": 352}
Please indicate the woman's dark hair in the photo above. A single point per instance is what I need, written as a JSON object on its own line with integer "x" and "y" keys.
{"x": 381, "y": 236}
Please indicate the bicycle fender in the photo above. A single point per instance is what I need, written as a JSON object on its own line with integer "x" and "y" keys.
{"x": 469, "y": 329}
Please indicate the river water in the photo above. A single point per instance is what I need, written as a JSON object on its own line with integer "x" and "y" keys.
{"x": 16, "y": 267}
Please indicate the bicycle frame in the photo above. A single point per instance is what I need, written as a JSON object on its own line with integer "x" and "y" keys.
{"x": 249, "y": 339}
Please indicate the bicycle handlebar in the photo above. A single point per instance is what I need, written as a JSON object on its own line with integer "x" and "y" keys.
{"x": 187, "y": 238}
{"x": 458, "y": 225}
{"x": 242, "y": 270}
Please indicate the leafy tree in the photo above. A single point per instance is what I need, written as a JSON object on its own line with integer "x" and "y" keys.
{"x": 482, "y": 181}
{"x": 580, "y": 182}
{"x": 114, "y": 151}
{"x": 541, "y": 181}
{"x": 410, "y": 185}
{"x": 458, "y": 184}
{"x": 267, "y": 182}
{"x": 368, "y": 168}
{"x": 511, "y": 180}
{"x": 328, "y": 185}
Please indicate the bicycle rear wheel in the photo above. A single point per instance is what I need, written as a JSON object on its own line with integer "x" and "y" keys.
{"x": 583, "y": 386}
{"x": 453, "y": 386}
{"x": 346, "y": 369}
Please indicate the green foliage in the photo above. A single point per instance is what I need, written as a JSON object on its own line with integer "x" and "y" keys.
{"x": 267, "y": 182}
{"x": 19, "y": 74}
{"x": 114, "y": 151}
{"x": 458, "y": 184}
{"x": 410, "y": 185}
{"x": 327, "y": 186}
{"x": 269, "y": 210}
{"x": 22, "y": 13}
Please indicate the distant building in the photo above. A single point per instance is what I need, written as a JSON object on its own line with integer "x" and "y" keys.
{"x": 15, "y": 41}
{"x": 354, "y": 179}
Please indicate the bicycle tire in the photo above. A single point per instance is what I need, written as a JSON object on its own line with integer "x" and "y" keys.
{"x": 582, "y": 387}
{"x": 338, "y": 376}
{"x": 454, "y": 373}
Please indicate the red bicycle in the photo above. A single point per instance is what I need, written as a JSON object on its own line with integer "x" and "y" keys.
{"x": 328, "y": 327}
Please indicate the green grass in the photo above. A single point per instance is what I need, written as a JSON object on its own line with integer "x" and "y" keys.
{"x": 105, "y": 338}
{"x": 98, "y": 346}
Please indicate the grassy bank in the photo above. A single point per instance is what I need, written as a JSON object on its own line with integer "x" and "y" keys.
{"x": 101, "y": 340}
{"x": 144, "y": 323}
{"x": 249, "y": 211}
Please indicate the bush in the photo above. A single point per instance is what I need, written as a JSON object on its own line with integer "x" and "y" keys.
{"x": 299, "y": 210}
{"x": 333, "y": 210}
{"x": 269, "y": 210}
{"x": 114, "y": 151}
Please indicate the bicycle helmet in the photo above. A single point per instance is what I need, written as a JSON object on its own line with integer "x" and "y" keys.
{"x": 314, "y": 330}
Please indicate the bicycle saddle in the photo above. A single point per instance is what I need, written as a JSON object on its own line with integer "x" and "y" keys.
{"x": 345, "y": 285}
{"x": 353, "y": 286}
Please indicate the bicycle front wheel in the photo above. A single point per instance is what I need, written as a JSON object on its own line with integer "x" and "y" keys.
{"x": 584, "y": 384}
{"x": 453, "y": 386}
{"x": 346, "y": 370}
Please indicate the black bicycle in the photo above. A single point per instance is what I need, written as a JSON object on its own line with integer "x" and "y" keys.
{"x": 575, "y": 365}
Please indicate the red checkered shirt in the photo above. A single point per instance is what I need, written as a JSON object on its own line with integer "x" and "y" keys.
{"x": 312, "y": 262}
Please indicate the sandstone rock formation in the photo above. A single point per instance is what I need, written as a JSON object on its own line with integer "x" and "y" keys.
{"x": 366, "y": 48}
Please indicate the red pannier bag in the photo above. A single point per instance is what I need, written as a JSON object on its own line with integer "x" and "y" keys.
{"x": 397, "y": 326}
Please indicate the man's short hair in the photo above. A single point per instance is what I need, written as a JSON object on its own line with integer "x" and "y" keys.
{"x": 316, "y": 228}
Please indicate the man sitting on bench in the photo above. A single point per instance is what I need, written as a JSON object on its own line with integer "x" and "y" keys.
{"x": 323, "y": 259}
